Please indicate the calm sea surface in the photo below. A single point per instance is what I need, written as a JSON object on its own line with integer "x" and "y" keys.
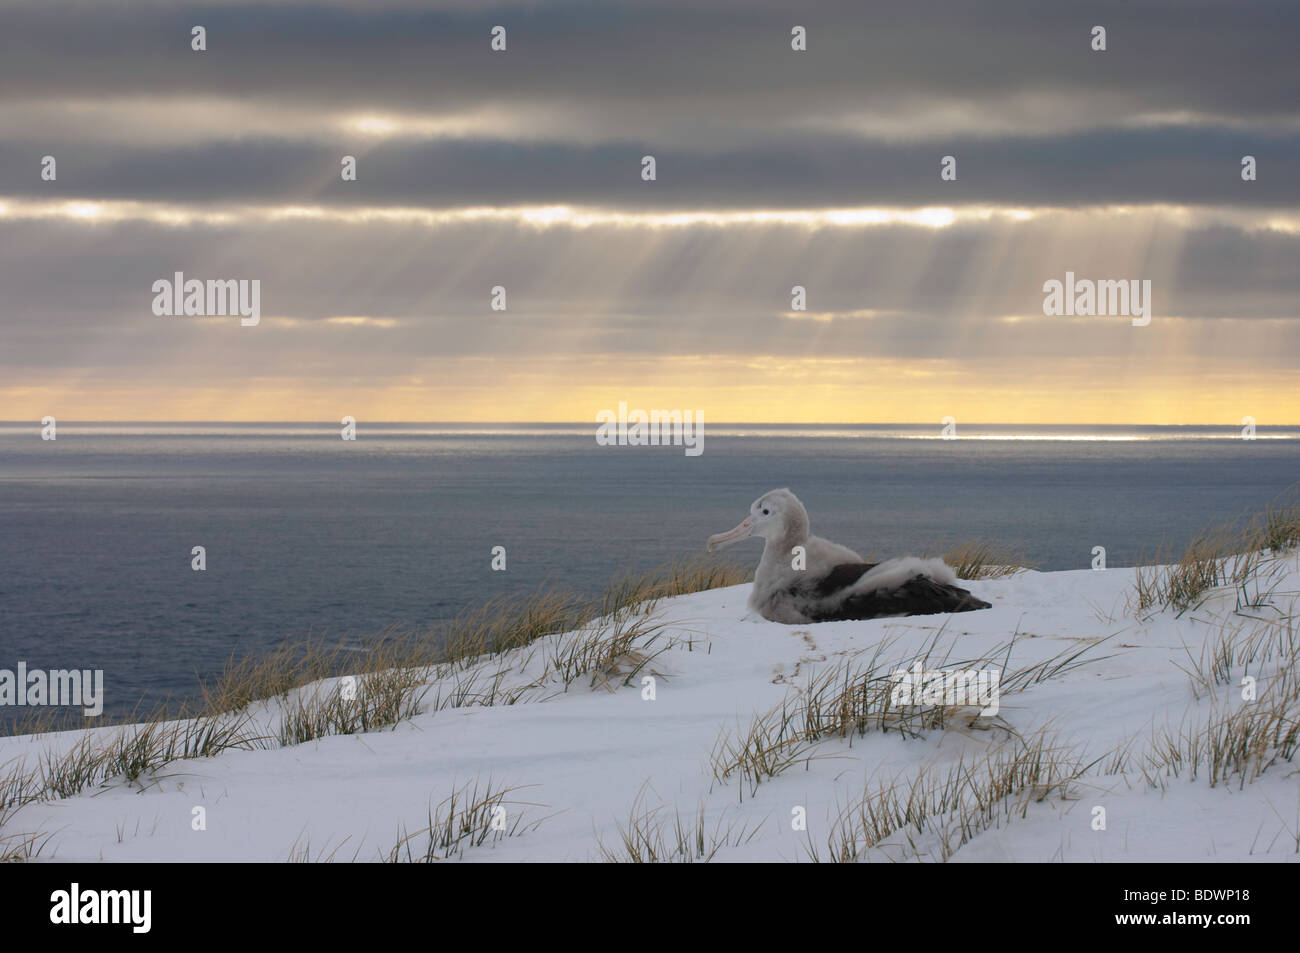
{"x": 306, "y": 533}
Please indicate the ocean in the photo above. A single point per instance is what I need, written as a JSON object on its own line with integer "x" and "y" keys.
{"x": 308, "y": 534}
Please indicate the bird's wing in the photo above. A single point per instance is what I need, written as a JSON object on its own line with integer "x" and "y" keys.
{"x": 841, "y": 577}
{"x": 919, "y": 595}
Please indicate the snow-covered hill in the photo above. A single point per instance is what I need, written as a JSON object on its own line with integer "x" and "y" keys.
{"x": 734, "y": 746}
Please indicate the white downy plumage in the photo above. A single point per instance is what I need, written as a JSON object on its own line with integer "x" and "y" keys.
{"x": 831, "y": 582}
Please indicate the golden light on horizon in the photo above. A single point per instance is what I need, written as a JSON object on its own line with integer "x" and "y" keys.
{"x": 724, "y": 388}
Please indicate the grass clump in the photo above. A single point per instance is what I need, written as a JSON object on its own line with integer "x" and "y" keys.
{"x": 1222, "y": 556}
{"x": 466, "y": 818}
{"x": 679, "y": 578}
{"x": 1245, "y": 555}
{"x": 1236, "y": 744}
{"x": 1277, "y": 529}
{"x": 939, "y": 811}
{"x": 1243, "y": 736}
{"x": 504, "y": 624}
{"x": 853, "y": 698}
{"x": 373, "y": 701}
{"x": 979, "y": 559}
{"x": 23, "y": 848}
{"x": 1239, "y": 646}
{"x": 613, "y": 650}
{"x": 138, "y": 750}
{"x": 771, "y": 744}
{"x": 646, "y": 838}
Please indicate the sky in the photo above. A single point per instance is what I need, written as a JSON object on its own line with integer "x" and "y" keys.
{"x": 522, "y": 169}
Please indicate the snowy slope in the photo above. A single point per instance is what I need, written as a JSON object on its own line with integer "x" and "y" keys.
{"x": 585, "y": 760}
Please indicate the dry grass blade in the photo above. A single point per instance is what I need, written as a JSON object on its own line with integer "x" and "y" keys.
{"x": 381, "y": 700}
{"x": 1238, "y": 741}
{"x": 21, "y": 848}
{"x": 980, "y": 559}
{"x": 467, "y": 817}
{"x": 645, "y": 838}
{"x": 939, "y": 810}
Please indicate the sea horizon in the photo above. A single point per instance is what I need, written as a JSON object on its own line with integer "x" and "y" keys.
{"x": 906, "y": 430}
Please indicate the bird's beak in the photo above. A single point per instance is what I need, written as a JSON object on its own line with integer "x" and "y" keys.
{"x": 746, "y": 528}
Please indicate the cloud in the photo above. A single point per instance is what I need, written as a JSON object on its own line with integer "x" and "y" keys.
{"x": 1131, "y": 166}
{"x": 522, "y": 169}
{"x": 371, "y": 295}
{"x": 734, "y": 117}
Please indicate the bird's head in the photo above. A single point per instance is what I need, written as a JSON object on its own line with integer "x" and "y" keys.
{"x": 775, "y": 514}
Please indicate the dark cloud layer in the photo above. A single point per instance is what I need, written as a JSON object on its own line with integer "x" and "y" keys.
{"x": 1167, "y": 54}
{"x": 1176, "y": 166}
{"x": 711, "y": 89}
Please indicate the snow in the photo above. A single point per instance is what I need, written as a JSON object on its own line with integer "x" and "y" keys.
{"x": 587, "y": 758}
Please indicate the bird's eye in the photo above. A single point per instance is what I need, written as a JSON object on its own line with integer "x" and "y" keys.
{"x": 765, "y": 513}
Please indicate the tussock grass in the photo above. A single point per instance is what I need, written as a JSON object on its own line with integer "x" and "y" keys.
{"x": 608, "y": 651}
{"x": 504, "y": 624}
{"x": 274, "y": 675}
{"x": 1236, "y": 744}
{"x": 679, "y": 578}
{"x": 1240, "y": 739}
{"x": 613, "y": 651}
{"x": 157, "y": 743}
{"x": 138, "y": 750}
{"x": 854, "y": 697}
{"x": 647, "y": 839}
{"x": 1238, "y": 646}
{"x": 18, "y": 786}
{"x": 1278, "y": 527}
{"x": 21, "y": 848}
{"x": 980, "y": 559}
{"x": 468, "y": 817}
{"x": 771, "y": 744}
{"x": 381, "y": 700}
{"x": 851, "y": 699}
{"x": 1216, "y": 557}
{"x": 939, "y": 811}
{"x": 507, "y": 624}
{"x": 45, "y": 720}
{"x": 131, "y": 753}
{"x": 477, "y": 686}
{"x": 1244, "y": 555}
{"x": 845, "y": 699}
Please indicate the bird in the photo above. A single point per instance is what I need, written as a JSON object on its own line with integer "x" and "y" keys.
{"x": 829, "y": 582}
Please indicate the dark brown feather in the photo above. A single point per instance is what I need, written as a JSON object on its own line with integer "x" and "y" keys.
{"x": 920, "y": 595}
